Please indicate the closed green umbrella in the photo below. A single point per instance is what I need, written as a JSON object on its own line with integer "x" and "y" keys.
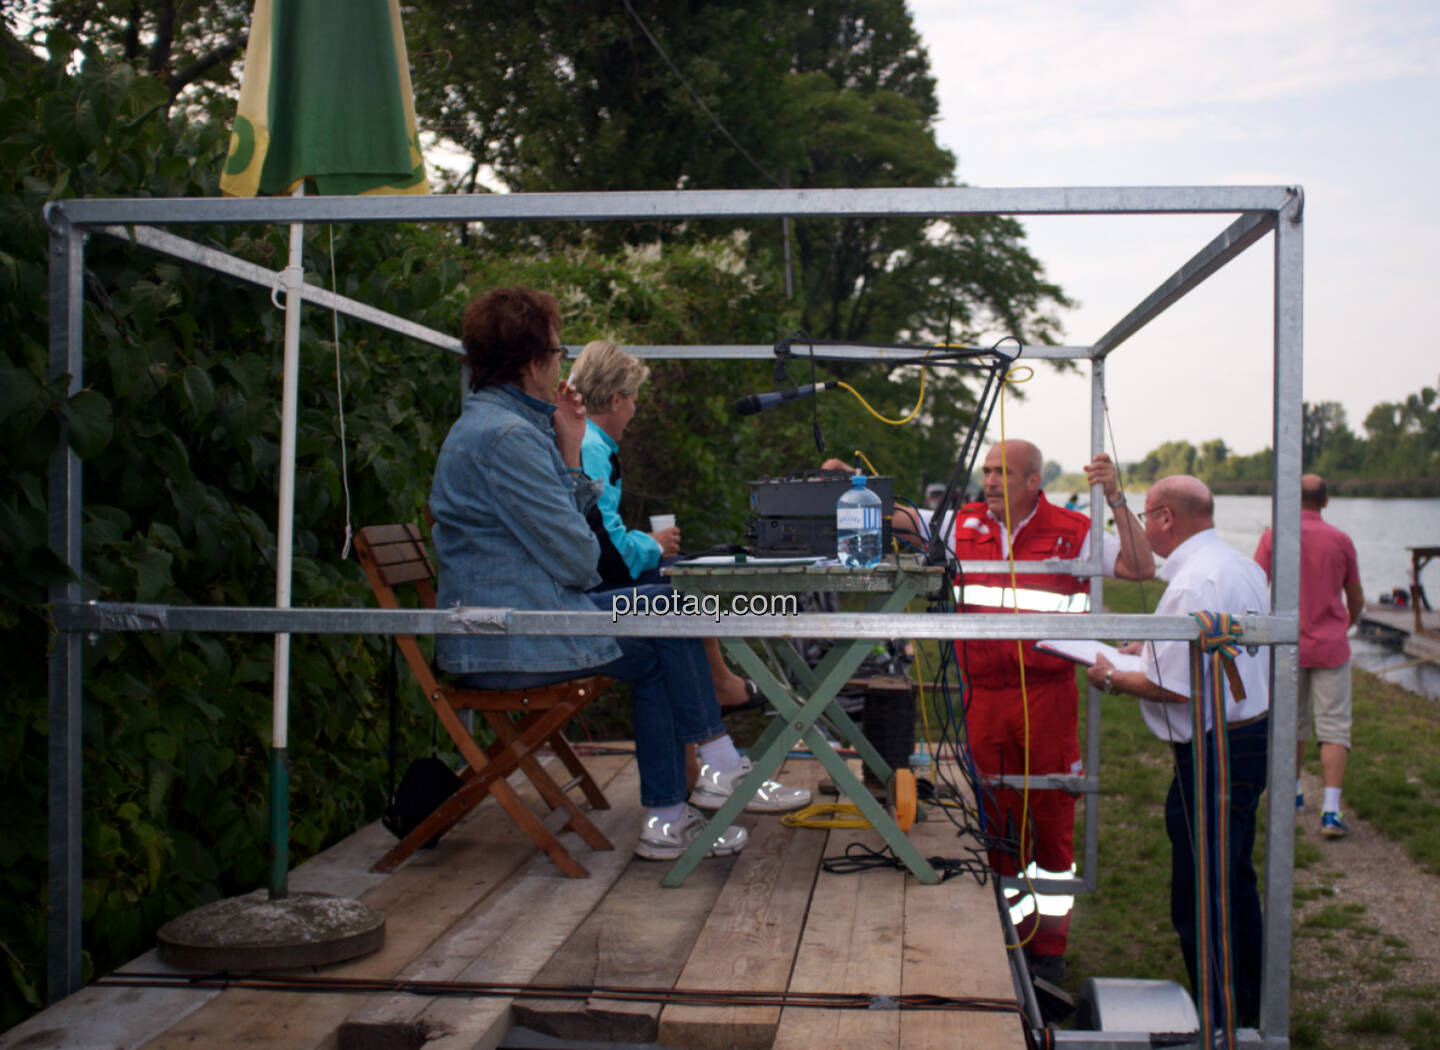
{"x": 326, "y": 97}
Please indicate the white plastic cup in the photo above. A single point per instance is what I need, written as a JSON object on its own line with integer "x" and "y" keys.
{"x": 661, "y": 522}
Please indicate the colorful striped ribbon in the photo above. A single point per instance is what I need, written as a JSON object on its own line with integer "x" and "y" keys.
{"x": 1219, "y": 638}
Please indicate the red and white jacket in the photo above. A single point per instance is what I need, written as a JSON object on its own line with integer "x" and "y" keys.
{"x": 1051, "y": 533}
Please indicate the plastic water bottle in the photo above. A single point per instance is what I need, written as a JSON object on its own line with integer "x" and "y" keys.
{"x": 857, "y": 526}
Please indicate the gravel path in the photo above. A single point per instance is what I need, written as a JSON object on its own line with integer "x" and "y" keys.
{"x": 1367, "y": 920}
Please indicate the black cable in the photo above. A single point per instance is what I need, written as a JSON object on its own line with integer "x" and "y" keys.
{"x": 815, "y": 404}
{"x": 325, "y": 984}
{"x": 859, "y": 857}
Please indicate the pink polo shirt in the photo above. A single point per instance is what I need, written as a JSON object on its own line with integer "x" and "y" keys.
{"x": 1327, "y": 565}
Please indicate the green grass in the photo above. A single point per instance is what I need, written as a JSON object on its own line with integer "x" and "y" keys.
{"x": 1393, "y": 777}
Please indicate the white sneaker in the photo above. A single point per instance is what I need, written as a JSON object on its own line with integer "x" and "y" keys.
{"x": 713, "y": 788}
{"x": 668, "y": 840}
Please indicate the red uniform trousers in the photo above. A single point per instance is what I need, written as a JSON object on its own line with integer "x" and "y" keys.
{"x": 995, "y": 723}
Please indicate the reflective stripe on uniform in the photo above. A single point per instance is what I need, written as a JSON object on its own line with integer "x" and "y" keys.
{"x": 1053, "y": 904}
{"x": 1025, "y": 599}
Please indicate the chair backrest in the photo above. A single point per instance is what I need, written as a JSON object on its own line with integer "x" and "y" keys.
{"x": 394, "y": 556}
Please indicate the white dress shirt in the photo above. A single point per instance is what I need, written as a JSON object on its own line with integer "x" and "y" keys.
{"x": 1205, "y": 574}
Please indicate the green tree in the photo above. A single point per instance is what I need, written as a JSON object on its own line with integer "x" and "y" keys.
{"x": 1213, "y": 455}
{"x": 560, "y": 96}
{"x": 186, "y": 48}
{"x": 1324, "y": 431}
{"x": 554, "y": 95}
{"x": 1173, "y": 457}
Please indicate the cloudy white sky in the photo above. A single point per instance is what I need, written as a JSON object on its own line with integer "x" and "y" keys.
{"x": 1341, "y": 98}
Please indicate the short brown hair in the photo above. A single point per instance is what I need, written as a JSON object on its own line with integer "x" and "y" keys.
{"x": 1313, "y": 493}
{"x": 504, "y": 330}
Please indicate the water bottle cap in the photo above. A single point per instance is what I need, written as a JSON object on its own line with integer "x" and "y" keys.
{"x": 857, "y": 481}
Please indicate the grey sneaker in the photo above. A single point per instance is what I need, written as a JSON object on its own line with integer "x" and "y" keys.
{"x": 714, "y": 788}
{"x": 669, "y": 840}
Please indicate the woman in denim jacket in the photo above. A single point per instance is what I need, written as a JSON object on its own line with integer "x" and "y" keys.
{"x": 509, "y": 500}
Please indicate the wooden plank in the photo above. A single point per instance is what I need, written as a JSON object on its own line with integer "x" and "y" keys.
{"x": 750, "y": 939}
{"x": 851, "y": 943}
{"x": 420, "y": 902}
{"x": 640, "y": 937}
{"x": 507, "y": 937}
{"x": 105, "y": 1018}
{"x": 378, "y": 534}
{"x": 344, "y": 869}
{"x": 954, "y": 946}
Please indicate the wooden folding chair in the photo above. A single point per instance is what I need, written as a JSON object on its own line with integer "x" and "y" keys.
{"x": 396, "y": 555}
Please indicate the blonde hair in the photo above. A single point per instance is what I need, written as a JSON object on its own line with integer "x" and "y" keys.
{"x": 603, "y": 370}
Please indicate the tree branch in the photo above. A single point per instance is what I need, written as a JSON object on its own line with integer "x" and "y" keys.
{"x": 164, "y": 38}
{"x": 195, "y": 70}
{"x": 132, "y": 32}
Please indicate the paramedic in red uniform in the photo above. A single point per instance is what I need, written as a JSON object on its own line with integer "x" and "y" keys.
{"x": 995, "y": 718}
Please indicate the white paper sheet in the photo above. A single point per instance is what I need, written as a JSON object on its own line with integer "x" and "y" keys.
{"x": 1084, "y": 651}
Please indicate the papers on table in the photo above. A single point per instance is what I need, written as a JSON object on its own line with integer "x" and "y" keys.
{"x": 1084, "y": 651}
{"x": 746, "y": 559}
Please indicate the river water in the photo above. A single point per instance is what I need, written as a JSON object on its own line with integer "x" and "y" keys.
{"x": 1381, "y": 529}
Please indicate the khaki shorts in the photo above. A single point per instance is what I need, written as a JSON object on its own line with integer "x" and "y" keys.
{"x": 1326, "y": 692}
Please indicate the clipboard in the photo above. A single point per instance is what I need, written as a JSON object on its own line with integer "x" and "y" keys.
{"x": 1084, "y": 651}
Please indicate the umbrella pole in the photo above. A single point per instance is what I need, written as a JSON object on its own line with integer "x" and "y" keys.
{"x": 284, "y": 541}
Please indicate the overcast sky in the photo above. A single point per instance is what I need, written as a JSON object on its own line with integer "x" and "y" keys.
{"x": 1339, "y": 98}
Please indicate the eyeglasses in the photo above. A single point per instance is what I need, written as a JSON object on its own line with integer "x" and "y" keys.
{"x": 562, "y": 351}
{"x": 1147, "y": 513}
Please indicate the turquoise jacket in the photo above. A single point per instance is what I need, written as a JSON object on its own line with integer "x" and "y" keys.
{"x": 599, "y": 455}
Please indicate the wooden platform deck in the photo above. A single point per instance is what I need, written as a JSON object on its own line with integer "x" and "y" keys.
{"x": 486, "y": 906}
{"x": 1423, "y": 645}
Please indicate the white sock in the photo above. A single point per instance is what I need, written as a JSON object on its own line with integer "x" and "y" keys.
{"x": 719, "y": 753}
{"x": 666, "y": 814}
{"x": 1332, "y": 800}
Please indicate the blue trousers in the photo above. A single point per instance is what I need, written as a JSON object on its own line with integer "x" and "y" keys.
{"x": 672, "y": 694}
{"x": 1248, "y": 771}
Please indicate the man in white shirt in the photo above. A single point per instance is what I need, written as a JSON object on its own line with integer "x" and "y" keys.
{"x": 1205, "y": 575}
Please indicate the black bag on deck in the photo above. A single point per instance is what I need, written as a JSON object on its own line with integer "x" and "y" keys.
{"x": 423, "y": 789}
{"x": 427, "y": 783}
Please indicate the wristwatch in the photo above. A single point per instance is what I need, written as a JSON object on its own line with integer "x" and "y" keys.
{"x": 1109, "y": 686}
{"x": 1118, "y": 501}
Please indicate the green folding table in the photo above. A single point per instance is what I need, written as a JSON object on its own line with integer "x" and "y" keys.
{"x": 891, "y": 585}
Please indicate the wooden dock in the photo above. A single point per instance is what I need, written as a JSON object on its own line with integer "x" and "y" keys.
{"x": 1422, "y": 646}
{"x": 486, "y": 906}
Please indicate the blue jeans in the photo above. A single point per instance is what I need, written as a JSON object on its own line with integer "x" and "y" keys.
{"x": 672, "y": 695}
{"x": 1248, "y": 771}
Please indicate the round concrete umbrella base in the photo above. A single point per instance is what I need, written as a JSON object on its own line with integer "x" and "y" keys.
{"x": 256, "y": 933}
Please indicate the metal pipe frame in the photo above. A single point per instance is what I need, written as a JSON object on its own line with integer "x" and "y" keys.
{"x": 1259, "y": 210}
{"x": 116, "y": 617}
{"x": 938, "y": 202}
{"x": 67, "y": 302}
{"x": 186, "y": 250}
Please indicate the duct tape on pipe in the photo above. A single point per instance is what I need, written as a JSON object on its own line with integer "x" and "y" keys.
{"x": 481, "y": 621}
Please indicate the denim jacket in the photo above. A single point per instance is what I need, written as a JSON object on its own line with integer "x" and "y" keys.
{"x": 510, "y": 532}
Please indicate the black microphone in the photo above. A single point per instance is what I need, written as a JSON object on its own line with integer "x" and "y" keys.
{"x": 752, "y": 403}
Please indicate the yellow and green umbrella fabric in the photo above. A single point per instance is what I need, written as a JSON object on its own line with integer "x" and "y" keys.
{"x": 326, "y": 96}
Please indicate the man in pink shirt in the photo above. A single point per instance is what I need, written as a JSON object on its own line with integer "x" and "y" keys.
{"x": 1331, "y": 600}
